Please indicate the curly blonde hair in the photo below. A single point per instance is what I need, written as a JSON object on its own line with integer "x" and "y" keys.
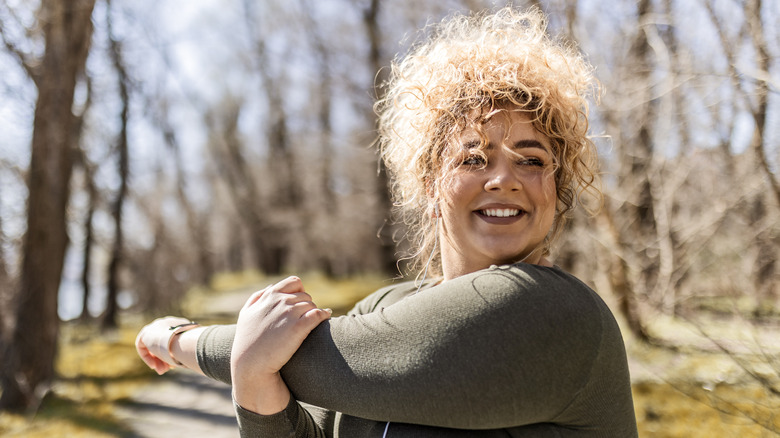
{"x": 482, "y": 63}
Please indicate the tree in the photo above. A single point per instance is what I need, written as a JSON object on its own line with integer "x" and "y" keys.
{"x": 89, "y": 238}
{"x": 123, "y": 171}
{"x": 93, "y": 198}
{"x": 28, "y": 359}
{"x": 197, "y": 223}
{"x": 753, "y": 91}
{"x": 377, "y": 62}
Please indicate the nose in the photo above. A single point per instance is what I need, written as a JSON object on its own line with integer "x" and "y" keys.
{"x": 501, "y": 175}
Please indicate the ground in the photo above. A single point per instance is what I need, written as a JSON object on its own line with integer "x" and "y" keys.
{"x": 181, "y": 404}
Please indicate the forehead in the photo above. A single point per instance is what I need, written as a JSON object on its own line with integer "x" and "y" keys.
{"x": 509, "y": 127}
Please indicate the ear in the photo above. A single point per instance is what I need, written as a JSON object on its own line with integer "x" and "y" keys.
{"x": 433, "y": 199}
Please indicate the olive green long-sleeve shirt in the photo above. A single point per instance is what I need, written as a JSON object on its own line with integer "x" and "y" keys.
{"x": 510, "y": 351}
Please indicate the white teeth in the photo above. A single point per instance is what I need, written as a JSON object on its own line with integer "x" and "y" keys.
{"x": 501, "y": 212}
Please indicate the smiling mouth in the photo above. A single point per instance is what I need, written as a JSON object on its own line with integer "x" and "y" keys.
{"x": 500, "y": 212}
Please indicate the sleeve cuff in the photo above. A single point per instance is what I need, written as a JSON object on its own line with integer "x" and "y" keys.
{"x": 280, "y": 424}
{"x": 214, "y": 347}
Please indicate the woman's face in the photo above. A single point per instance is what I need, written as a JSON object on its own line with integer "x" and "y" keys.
{"x": 498, "y": 210}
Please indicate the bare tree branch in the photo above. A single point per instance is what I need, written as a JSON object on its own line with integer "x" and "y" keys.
{"x": 757, "y": 108}
{"x": 23, "y": 58}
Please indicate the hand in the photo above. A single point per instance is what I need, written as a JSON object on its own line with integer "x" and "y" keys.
{"x": 271, "y": 326}
{"x": 152, "y": 343}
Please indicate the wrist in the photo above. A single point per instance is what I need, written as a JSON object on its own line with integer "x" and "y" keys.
{"x": 265, "y": 395}
{"x": 175, "y": 332}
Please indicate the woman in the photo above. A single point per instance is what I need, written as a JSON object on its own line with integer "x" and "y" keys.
{"x": 484, "y": 131}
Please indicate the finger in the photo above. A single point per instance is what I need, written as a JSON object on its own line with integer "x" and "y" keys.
{"x": 143, "y": 350}
{"x": 162, "y": 368}
{"x": 315, "y": 317}
{"x": 138, "y": 342}
{"x": 298, "y": 297}
{"x": 255, "y": 296}
{"x": 147, "y": 357}
{"x": 298, "y": 310}
{"x": 289, "y": 285}
{"x": 153, "y": 362}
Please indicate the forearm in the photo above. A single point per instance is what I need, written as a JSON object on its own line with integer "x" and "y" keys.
{"x": 265, "y": 396}
{"x": 294, "y": 420}
{"x": 213, "y": 352}
{"x": 184, "y": 348}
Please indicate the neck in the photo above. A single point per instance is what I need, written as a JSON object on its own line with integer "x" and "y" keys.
{"x": 455, "y": 264}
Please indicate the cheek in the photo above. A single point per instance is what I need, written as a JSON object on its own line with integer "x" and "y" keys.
{"x": 547, "y": 194}
{"x": 541, "y": 187}
{"x": 460, "y": 187}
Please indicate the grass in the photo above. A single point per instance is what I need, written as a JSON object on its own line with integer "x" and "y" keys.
{"x": 686, "y": 410}
{"x": 698, "y": 391}
{"x": 679, "y": 394}
{"x": 96, "y": 371}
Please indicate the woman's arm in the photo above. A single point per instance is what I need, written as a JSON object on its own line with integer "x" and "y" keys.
{"x": 271, "y": 326}
{"x": 497, "y": 348}
{"x": 294, "y": 420}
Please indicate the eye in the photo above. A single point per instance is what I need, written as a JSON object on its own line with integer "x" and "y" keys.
{"x": 473, "y": 160}
{"x": 532, "y": 161}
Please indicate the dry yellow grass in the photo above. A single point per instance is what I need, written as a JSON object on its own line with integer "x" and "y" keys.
{"x": 684, "y": 410}
{"x": 95, "y": 372}
{"x": 698, "y": 390}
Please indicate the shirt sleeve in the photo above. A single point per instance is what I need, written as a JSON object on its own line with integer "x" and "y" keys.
{"x": 293, "y": 421}
{"x": 498, "y": 348}
{"x": 214, "y": 346}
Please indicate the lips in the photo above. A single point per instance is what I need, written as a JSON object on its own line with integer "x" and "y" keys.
{"x": 500, "y": 212}
{"x": 500, "y": 215}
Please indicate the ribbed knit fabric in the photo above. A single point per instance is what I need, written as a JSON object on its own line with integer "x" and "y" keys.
{"x": 519, "y": 351}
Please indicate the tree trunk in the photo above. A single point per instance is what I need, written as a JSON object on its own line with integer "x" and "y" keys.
{"x": 761, "y": 107}
{"x": 3, "y": 268}
{"x": 620, "y": 282}
{"x": 93, "y": 198}
{"x": 88, "y": 241}
{"x": 267, "y": 239}
{"x": 385, "y": 204}
{"x": 28, "y": 362}
{"x": 197, "y": 224}
{"x": 109, "y": 319}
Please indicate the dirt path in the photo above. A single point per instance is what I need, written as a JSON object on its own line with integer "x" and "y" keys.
{"x": 182, "y": 403}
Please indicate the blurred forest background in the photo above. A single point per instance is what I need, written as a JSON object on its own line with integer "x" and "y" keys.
{"x": 146, "y": 146}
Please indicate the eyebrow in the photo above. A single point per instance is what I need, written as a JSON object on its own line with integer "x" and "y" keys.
{"x": 522, "y": 144}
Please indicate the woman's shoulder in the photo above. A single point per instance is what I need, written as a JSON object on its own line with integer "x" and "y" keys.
{"x": 549, "y": 292}
{"x": 526, "y": 279}
{"x": 565, "y": 301}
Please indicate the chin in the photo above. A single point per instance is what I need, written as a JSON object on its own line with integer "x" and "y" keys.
{"x": 506, "y": 260}
{"x": 511, "y": 258}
